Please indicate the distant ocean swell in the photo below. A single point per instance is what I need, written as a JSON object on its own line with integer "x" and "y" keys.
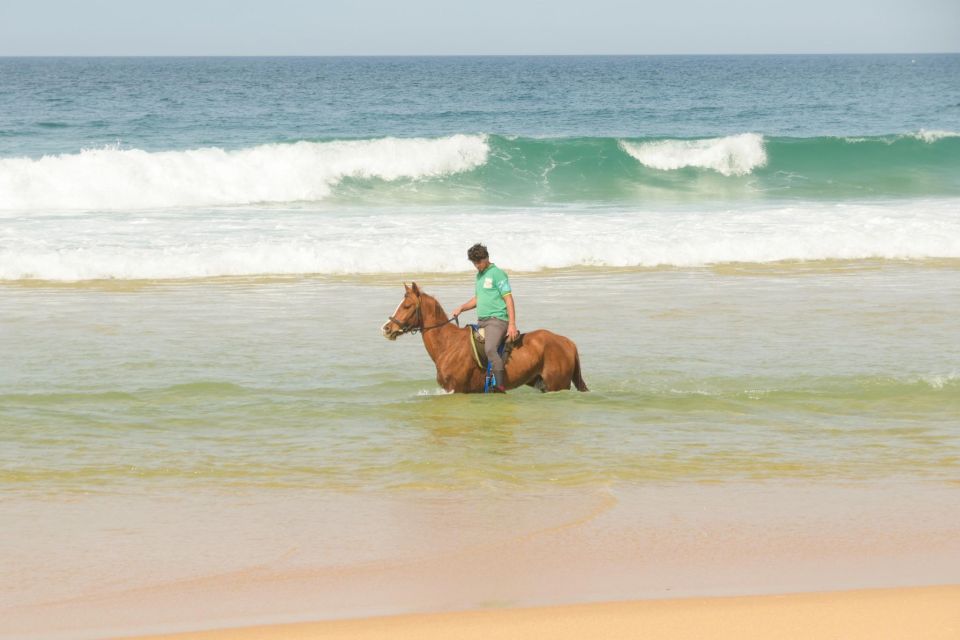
{"x": 488, "y": 169}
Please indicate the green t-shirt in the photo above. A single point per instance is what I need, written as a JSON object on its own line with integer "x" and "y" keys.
{"x": 492, "y": 286}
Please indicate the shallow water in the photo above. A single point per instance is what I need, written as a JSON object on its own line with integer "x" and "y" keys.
{"x": 695, "y": 375}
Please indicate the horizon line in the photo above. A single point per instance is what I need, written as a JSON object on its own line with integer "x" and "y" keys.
{"x": 472, "y": 55}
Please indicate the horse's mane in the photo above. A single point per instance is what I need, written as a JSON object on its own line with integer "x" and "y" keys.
{"x": 438, "y": 308}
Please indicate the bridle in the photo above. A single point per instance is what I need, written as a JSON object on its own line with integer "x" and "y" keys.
{"x": 418, "y": 325}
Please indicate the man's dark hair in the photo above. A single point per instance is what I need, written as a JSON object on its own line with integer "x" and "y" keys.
{"x": 477, "y": 252}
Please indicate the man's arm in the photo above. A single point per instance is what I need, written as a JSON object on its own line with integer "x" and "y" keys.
{"x": 466, "y": 306}
{"x": 512, "y": 332}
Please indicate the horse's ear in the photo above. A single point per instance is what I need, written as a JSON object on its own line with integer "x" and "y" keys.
{"x": 415, "y": 288}
{"x": 406, "y": 287}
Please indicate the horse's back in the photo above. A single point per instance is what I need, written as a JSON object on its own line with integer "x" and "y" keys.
{"x": 551, "y": 342}
{"x": 545, "y": 335}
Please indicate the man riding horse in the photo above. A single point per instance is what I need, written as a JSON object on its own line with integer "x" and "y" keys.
{"x": 543, "y": 360}
{"x": 496, "y": 310}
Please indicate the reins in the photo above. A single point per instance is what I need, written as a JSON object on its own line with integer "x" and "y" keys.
{"x": 405, "y": 328}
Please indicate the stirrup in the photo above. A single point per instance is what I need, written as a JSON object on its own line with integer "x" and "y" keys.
{"x": 489, "y": 380}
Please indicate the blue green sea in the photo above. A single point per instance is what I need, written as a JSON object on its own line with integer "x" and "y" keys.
{"x": 757, "y": 256}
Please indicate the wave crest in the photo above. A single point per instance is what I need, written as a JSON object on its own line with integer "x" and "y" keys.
{"x": 730, "y": 156}
{"x": 487, "y": 169}
{"x": 111, "y": 178}
{"x": 931, "y": 136}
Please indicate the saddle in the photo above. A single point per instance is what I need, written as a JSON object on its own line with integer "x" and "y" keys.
{"x": 477, "y": 343}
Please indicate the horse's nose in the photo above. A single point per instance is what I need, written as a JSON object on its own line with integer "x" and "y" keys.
{"x": 388, "y": 332}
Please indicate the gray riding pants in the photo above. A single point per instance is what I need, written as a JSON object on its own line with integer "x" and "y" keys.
{"x": 493, "y": 331}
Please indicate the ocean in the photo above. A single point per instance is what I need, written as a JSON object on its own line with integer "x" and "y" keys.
{"x": 757, "y": 256}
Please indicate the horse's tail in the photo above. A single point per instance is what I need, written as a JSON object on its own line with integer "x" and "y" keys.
{"x": 577, "y": 378}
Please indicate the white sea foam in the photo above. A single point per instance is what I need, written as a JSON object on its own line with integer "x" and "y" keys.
{"x": 923, "y": 135}
{"x": 934, "y": 135}
{"x": 861, "y": 140}
{"x": 940, "y": 381}
{"x": 731, "y": 156}
{"x": 171, "y": 245}
{"x": 433, "y": 392}
{"x": 130, "y": 179}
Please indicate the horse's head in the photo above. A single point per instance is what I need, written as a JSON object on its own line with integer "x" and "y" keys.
{"x": 407, "y": 317}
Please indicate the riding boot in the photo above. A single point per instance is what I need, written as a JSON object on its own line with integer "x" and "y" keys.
{"x": 500, "y": 377}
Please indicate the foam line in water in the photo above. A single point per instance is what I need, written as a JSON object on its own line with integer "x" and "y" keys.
{"x": 934, "y": 135}
{"x": 266, "y": 242}
{"x": 131, "y": 179}
{"x": 730, "y": 156}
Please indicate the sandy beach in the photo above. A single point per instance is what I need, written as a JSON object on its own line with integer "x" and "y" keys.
{"x": 203, "y": 430}
{"x": 930, "y": 613}
{"x": 678, "y": 559}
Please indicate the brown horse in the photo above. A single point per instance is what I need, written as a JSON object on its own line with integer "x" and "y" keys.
{"x": 543, "y": 360}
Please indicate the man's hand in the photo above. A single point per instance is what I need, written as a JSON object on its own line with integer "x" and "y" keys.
{"x": 512, "y": 332}
{"x": 457, "y": 311}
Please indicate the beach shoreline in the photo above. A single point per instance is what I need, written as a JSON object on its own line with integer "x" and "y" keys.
{"x": 269, "y": 458}
{"x": 113, "y": 566}
{"x": 921, "y": 612}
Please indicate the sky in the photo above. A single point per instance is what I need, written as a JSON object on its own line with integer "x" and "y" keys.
{"x": 480, "y": 27}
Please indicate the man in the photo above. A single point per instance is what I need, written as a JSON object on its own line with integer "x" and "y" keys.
{"x": 495, "y": 309}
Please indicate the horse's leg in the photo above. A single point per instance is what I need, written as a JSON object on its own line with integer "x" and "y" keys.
{"x": 458, "y": 373}
{"x": 537, "y": 383}
{"x": 558, "y": 364}
{"x": 555, "y": 379}
{"x": 552, "y": 375}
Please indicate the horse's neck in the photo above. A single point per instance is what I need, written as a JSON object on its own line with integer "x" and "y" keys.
{"x": 433, "y": 313}
{"x": 435, "y": 339}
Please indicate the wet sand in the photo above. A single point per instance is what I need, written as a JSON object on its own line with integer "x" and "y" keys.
{"x": 110, "y": 567}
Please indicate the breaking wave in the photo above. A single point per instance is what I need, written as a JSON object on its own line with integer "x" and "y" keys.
{"x": 488, "y": 169}
{"x": 729, "y": 156}
{"x": 113, "y": 178}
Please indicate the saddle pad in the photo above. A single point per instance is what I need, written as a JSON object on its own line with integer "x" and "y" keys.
{"x": 477, "y": 342}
